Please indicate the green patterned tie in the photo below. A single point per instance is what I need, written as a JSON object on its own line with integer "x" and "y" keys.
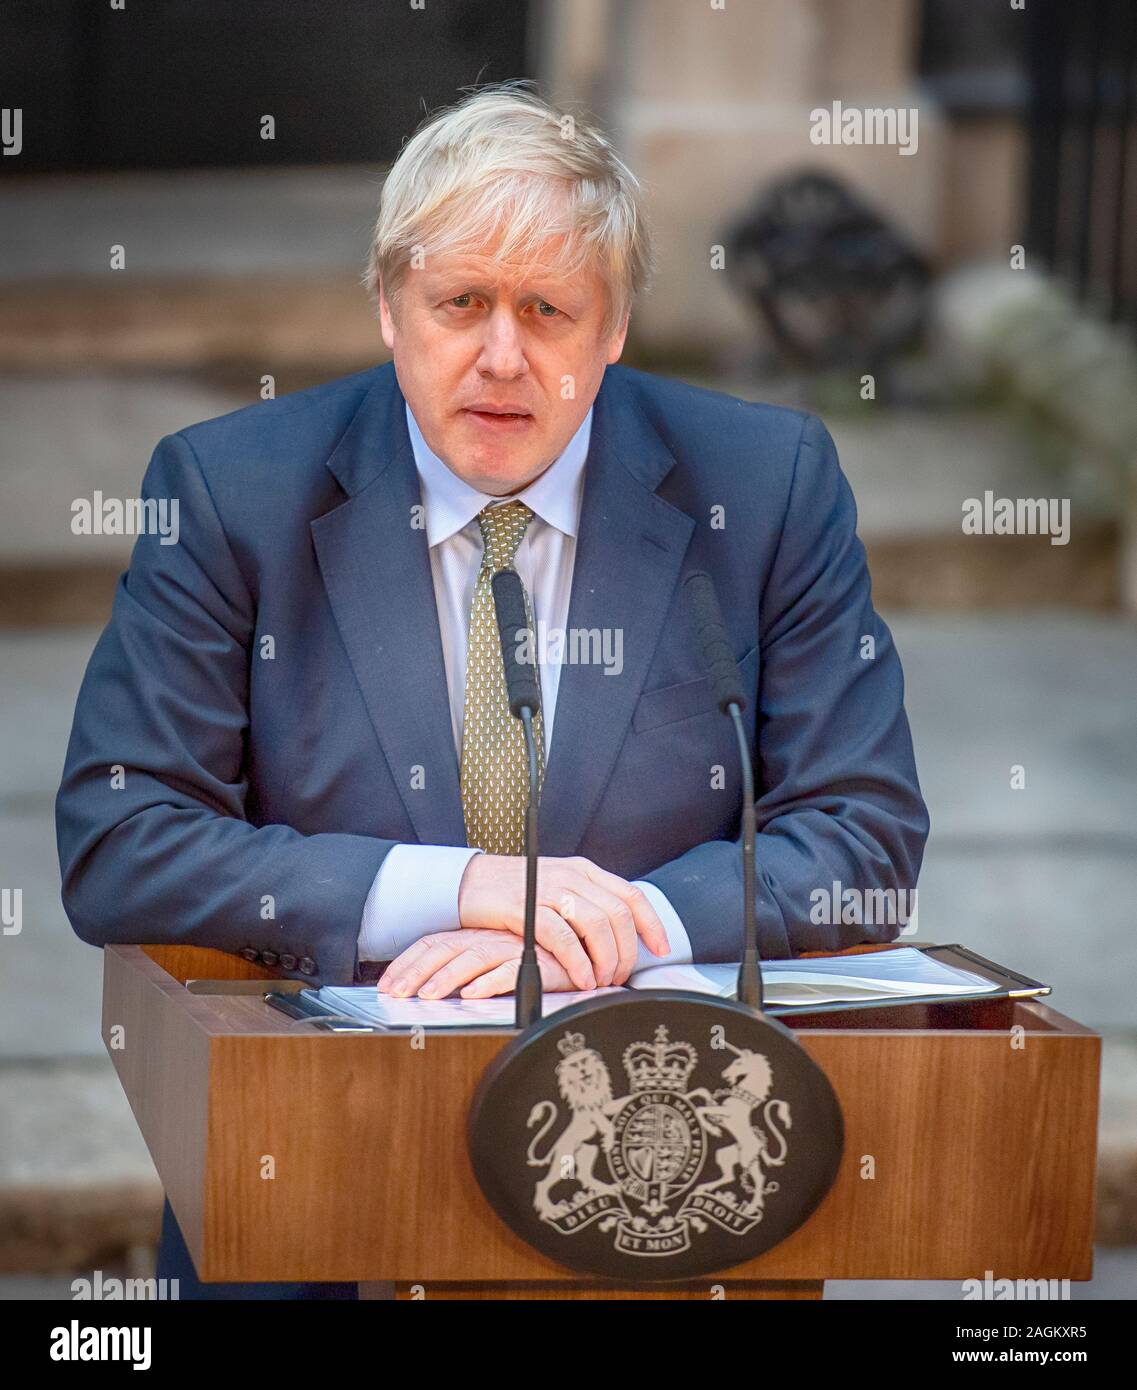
{"x": 495, "y": 766}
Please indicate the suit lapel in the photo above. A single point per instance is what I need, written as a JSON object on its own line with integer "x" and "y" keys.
{"x": 376, "y": 568}
{"x": 630, "y": 550}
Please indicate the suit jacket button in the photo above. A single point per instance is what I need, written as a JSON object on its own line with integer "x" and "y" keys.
{"x": 249, "y": 953}
{"x": 307, "y": 965}
{"x": 269, "y": 957}
{"x": 288, "y": 962}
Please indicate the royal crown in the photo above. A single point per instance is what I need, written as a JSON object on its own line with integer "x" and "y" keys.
{"x": 570, "y": 1044}
{"x": 661, "y": 1065}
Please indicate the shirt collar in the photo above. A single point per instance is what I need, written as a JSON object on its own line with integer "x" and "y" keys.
{"x": 452, "y": 504}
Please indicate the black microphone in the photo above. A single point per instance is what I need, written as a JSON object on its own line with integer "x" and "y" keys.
{"x": 724, "y": 674}
{"x": 525, "y": 703}
{"x": 513, "y": 625}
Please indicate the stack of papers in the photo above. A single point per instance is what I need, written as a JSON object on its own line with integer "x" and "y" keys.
{"x": 903, "y": 973}
{"x": 367, "y": 1004}
{"x": 899, "y": 974}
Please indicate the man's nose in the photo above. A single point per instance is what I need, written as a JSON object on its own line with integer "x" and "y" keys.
{"x": 503, "y": 348}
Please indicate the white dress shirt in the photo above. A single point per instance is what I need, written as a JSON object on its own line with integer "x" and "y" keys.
{"x": 416, "y": 889}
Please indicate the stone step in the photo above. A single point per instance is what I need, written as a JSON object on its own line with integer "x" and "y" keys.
{"x": 76, "y": 1182}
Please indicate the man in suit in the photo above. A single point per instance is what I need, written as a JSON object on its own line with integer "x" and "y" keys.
{"x": 292, "y": 741}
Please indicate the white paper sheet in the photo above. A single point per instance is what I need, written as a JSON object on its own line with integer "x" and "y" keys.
{"x": 366, "y": 1003}
{"x": 903, "y": 973}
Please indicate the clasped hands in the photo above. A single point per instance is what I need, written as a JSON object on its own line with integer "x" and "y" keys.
{"x": 589, "y": 923}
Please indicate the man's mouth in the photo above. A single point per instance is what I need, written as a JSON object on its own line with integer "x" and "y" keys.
{"x": 498, "y": 419}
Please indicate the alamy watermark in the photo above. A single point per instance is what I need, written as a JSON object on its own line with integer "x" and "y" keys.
{"x": 11, "y": 911}
{"x": 838, "y": 124}
{"x": 867, "y": 907}
{"x": 1001, "y": 1289}
{"x": 1017, "y": 516}
{"x": 77, "y": 1343}
{"x": 574, "y": 646}
{"x": 12, "y": 129}
{"x": 101, "y": 1288}
{"x": 126, "y": 516}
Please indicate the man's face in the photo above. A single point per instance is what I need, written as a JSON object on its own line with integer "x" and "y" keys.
{"x": 498, "y": 369}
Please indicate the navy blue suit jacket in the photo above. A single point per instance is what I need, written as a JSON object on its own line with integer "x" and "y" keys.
{"x": 264, "y": 777}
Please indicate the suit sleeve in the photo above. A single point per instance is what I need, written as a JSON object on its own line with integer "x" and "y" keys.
{"x": 154, "y": 843}
{"x": 838, "y": 797}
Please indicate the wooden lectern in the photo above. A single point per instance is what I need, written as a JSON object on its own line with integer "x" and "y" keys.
{"x": 970, "y": 1144}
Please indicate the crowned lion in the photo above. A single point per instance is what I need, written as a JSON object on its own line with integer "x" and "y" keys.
{"x": 586, "y": 1087}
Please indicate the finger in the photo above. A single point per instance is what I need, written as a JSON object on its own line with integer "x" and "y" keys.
{"x": 402, "y": 961}
{"x": 553, "y": 974}
{"x": 475, "y": 960}
{"x": 591, "y": 924}
{"x": 414, "y": 967}
{"x": 560, "y": 939}
{"x": 648, "y": 925}
{"x": 623, "y": 927}
{"x": 503, "y": 978}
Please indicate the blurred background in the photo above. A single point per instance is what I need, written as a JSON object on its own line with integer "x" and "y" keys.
{"x": 960, "y": 305}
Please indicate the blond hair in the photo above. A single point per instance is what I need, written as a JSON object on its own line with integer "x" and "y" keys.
{"x": 504, "y": 169}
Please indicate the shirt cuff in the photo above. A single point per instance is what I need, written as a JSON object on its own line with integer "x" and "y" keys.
{"x": 680, "y": 942}
{"x": 414, "y": 893}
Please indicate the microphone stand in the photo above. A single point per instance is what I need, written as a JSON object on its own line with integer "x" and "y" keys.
{"x": 749, "y": 975}
{"x": 528, "y": 988}
{"x": 731, "y": 699}
{"x": 524, "y": 701}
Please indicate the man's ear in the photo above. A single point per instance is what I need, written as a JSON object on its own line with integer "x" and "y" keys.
{"x": 616, "y": 341}
{"x": 386, "y": 319}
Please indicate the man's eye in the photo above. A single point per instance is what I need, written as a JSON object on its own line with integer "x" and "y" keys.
{"x": 461, "y": 301}
{"x": 543, "y": 305}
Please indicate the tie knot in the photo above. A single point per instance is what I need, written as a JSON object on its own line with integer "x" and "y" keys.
{"x": 502, "y": 528}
